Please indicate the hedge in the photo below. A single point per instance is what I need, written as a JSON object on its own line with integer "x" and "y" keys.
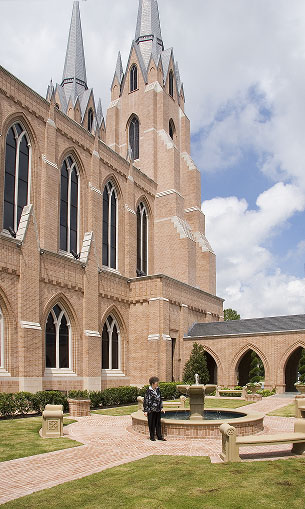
{"x": 23, "y": 403}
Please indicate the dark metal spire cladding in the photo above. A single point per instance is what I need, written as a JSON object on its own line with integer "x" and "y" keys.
{"x": 148, "y": 29}
{"x": 74, "y": 79}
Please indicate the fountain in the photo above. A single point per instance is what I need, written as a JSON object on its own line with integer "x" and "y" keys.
{"x": 196, "y": 393}
{"x": 198, "y": 422}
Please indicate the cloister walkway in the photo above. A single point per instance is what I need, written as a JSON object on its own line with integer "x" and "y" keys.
{"x": 110, "y": 441}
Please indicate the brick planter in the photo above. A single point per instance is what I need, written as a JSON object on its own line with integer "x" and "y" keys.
{"x": 79, "y": 407}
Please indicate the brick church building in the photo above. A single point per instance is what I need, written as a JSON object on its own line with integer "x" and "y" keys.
{"x": 104, "y": 263}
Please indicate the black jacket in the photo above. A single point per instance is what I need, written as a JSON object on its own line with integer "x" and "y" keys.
{"x": 152, "y": 400}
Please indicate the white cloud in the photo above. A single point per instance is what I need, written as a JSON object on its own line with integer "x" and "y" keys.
{"x": 247, "y": 274}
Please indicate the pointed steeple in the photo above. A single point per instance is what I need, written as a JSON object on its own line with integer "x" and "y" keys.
{"x": 119, "y": 68}
{"x": 74, "y": 79}
{"x": 148, "y": 30}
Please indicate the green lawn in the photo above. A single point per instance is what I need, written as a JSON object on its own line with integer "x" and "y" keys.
{"x": 117, "y": 411}
{"x": 180, "y": 482}
{"x": 225, "y": 403}
{"x": 285, "y": 411}
{"x": 20, "y": 438}
{"x": 209, "y": 403}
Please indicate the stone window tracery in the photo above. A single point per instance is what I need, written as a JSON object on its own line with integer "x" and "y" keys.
{"x": 58, "y": 339}
{"x": 133, "y": 78}
{"x": 142, "y": 240}
{"x": 69, "y": 206}
{"x": 134, "y": 137}
{"x": 111, "y": 344}
{"x": 17, "y": 175}
{"x": 90, "y": 120}
{"x": 110, "y": 218}
{"x": 171, "y": 83}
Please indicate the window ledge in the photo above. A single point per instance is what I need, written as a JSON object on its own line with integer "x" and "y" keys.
{"x": 109, "y": 269}
{"x": 3, "y": 372}
{"x": 50, "y": 372}
{"x": 112, "y": 373}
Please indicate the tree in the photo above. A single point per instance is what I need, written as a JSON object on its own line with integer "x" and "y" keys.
{"x": 197, "y": 363}
{"x": 254, "y": 373}
{"x": 231, "y": 314}
{"x": 301, "y": 367}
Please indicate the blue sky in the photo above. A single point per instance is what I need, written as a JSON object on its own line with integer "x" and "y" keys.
{"x": 243, "y": 68}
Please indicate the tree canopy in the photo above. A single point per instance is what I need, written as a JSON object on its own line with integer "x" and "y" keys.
{"x": 197, "y": 363}
{"x": 231, "y": 314}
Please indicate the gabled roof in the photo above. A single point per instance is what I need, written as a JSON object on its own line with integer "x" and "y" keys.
{"x": 270, "y": 324}
{"x": 75, "y": 67}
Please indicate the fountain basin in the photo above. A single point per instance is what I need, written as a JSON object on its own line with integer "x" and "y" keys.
{"x": 246, "y": 423}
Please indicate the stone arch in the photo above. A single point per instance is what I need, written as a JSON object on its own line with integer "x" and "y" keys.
{"x": 218, "y": 373}
{"x": 115, "y": 313}
{"x": 71, "y": 151}
{"x": 143, "y": 199}
{"x": 9, "y": 329}
{"x": 239, "y": 357}
{"x": 62, "y": 300}
{"x": 114, "y": 181}
{"x": 287, "y": 370}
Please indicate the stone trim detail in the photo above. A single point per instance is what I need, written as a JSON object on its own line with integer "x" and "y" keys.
{"x": 189, "y": 161}
{"x": 159, "y": 298}
{"x": 154, "y": 86}
{"x": 166, "y": 193}
{"x": 92, "y": 333}
{"x": 114, "y": 103}
{"x": 193, "y": 209}
{"x": 130, "y": 210}
{"x": 153, "y": 337}
{"x": 92, "y": 188}
{"x": 96, "y": 154}
{"x": 30, "y": 325}
{"x": 51, "y": 122}
{"x": 183, "y": 228}
{"x": 45, "y": 160}
{"x": 203, "y": 242}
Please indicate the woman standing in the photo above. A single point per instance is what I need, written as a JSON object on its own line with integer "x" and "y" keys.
{"x": 153, "y": 407}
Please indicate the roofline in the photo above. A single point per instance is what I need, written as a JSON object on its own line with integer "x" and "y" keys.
{"x": 262, "y": 333}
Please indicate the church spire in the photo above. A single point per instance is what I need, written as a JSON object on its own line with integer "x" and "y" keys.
{"x": 74, "y": 79}
{"x": 148, "y": 30}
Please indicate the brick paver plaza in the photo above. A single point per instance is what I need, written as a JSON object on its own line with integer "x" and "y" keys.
{"x": 110, "y": 441}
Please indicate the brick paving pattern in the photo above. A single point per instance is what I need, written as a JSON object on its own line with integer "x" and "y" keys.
{"x": 110, "y": 441}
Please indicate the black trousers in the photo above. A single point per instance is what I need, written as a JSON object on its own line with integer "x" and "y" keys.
{"x": 154, "y": 424}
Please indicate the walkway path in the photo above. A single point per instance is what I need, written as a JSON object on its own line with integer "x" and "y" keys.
{"x": 109, "y": 442}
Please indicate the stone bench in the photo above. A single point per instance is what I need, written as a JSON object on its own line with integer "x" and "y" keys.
{"x": 166, "y": 404}
{"x": 299, "y": 406}
{"x": 239, "y": 392}
{"x": 52, "y": 421}
{"x": 231, "y": 443}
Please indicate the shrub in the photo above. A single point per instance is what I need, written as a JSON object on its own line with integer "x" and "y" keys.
{"x": 254, "y": 373}
{"x": 43, "y": 398}
{"x": 301, "y": 367}
{"x": 168, "y": 390}
{"x": 78, "y": 394}
{"x": 196, "y": 364}
{"x": 119, "y": 396}
{"x": 96, "y": 398}
{"x": 23, "y": 402}
{"x": 7, "y": 404}
{"x": 266, "y": 392}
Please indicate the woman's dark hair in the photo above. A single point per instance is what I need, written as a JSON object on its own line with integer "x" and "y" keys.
{"x": 153, "y": 380}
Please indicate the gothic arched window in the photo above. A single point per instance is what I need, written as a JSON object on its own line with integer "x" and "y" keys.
{"x": 69, "y": 206}
{"x": 90, "y": 120}
{"x": 110, "y": 344}
{"x": 171, "y": 128}
{"x": 1, "y": 340}
{"x": 17, "y": 175}
{"x": 133, "y": 78}
{"x": 171, "y": 83}
{"x": 110, "y": 214}
{"x": 142, "y": 240}
{"x": 134, "y": 137}
{"x": 58, "y": 339}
